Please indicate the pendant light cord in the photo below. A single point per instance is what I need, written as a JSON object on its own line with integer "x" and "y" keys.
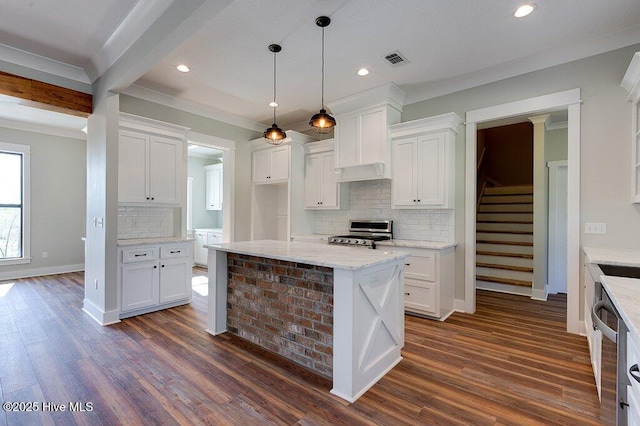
{"x": 322, "y": 67}
{"x": 274, "y": 87}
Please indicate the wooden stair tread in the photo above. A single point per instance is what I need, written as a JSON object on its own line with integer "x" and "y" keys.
{"x": 505, "y": 267}
{"x": 506, "y": 203}
{"x": 504, "y": 232}
{"x": 503, "y": 254}
{"x": 506, "y": 211}
{"x": 510, "y": 281}
{"x": 508, "y": 243}
{"x": 505, "y": 221}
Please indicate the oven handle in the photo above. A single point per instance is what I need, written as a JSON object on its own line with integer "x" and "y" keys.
{"x": 599, "y": 324}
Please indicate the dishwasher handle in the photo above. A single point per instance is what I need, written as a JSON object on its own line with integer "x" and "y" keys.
{"x": 599, "y": 324}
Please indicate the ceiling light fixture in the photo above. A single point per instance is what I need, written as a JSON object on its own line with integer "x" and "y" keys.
{"x": 524, "y": 10}
{"x": 362, "y": 72}
{"x": 322, "y": 122}
{"x": 182, "y": 68}
{"x": 274, "y": 134}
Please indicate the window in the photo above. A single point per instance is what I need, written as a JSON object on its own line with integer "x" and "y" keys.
{"x": 14, "y": 204}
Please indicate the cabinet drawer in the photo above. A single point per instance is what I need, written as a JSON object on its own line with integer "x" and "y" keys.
{"x": 422, "y": 299}
{"x": 173, "y": 251}
{"x": 139, "y": 254}
{"x": 421, "y": 266}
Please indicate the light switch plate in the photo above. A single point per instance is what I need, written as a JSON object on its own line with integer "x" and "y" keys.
{"x": 595, "y": 228}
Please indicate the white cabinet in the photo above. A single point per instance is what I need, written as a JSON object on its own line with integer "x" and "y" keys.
{"x": 270, "y": 165}
{"x": 423, "y": 156}
{"x": 150, "y": 162}
{"x": 429, "y": 282}
{"x": 362, "y": 133}
{"x": 213, "y": 187}
{"x": 631, "y": 82}
{"x": 321, "y": 191}
{"x": 204, "y": 237}
{"x": 151, "y": 278}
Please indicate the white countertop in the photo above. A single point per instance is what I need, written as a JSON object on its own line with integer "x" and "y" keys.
{"x": 147, "y": 241}
{"x": 337, "y": 257}
{"x": 625, "y": 295}
{"x": 608, "y": 256}
{"x": 434, "y": 245}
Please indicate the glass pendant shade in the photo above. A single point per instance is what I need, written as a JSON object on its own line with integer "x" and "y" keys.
{"x": 274, "y": 134}
{"x": 322, "y": 122}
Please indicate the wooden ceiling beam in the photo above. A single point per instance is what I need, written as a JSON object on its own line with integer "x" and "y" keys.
{"x": 46, "y": 96}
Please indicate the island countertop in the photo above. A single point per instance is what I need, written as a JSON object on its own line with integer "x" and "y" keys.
{"x": 314, "y": 254}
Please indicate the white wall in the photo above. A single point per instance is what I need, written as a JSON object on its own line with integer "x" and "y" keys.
{"x": 605, "y": 141}
{"x": 58, "y": 190}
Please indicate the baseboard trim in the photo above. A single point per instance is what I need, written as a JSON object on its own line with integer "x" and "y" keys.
{"x": 504, "y": 288}
{"x": 39, "y": 272}
{"x": 100, "y": 316}
{"x": 539, "y": 294}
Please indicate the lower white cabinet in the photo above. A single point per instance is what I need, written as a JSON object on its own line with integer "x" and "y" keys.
{"x": 204, "y": 237}
{"x": 154, "y": 277}
{"x": 429, "y": 282}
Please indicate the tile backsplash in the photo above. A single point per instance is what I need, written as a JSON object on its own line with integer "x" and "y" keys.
{"x": 372, "y": 200}
{"x": 144, "y": 222}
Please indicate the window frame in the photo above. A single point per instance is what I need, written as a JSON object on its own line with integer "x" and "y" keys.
{"x": 25, "y": 152}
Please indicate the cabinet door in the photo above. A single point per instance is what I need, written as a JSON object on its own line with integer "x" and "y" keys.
{"x": 403, "y": 183}
{"x": 165, "y": 166}
{"x": 313, "y": 180}
{"x": 133, "y": 171}
{"x": 421, "y": 296}
{"x": 347, "y": 152}
{"x": 279, "y": 163}
{"x": 175, "y": 279}
{"x": 431, "y": 170}
{"x": 213, "y": 198}
{"x": 139, "y": 285}
{"x": 373, "y": 136}
{"x": 200, "y": 253}
{"x": 260, "y": 166}
{"x": 329, "y": 186}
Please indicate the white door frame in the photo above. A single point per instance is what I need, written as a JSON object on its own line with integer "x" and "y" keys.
{"x": 569, "y": 100}
{"x": 228, "y": 148}
{"x": 553, "y": 261}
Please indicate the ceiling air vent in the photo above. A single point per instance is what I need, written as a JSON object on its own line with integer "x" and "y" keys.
{"x": 396, "y": 58}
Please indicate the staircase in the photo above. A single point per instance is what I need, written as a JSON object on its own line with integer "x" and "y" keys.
{"x": 504, "y": 239}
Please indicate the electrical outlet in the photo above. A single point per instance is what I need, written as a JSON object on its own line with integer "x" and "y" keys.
{"x": 45, "y": 254}
{"x": 595, "y": 228}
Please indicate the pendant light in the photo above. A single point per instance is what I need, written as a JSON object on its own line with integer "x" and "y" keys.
{"x": 274, "y": 134}
{"x": 322, "y": 122}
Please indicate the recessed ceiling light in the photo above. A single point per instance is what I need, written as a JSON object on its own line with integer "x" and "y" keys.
{"x": 524, "y": 10}
{"x": 273, "y": 104}
{"x": 182, "y": 68}
{"x": 362, "y": 72}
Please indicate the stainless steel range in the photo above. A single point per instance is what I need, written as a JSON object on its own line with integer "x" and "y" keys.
{"x": 365, "y": 233}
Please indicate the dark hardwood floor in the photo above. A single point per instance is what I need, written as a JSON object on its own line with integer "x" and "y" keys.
{"x": 510, "y": 363}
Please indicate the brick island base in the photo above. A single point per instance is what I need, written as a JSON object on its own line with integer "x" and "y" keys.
{"x": 338, "y": 311}
{"x": 284, "y": 307}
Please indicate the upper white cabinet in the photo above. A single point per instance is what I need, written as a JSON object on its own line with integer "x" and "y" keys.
{"x": 362, "y": 140}
{"x": 270, "y": 164}
{"x": 631, "y": 82}
{"x": 321, "y": 191}
{"x": 423, "y": 156}
{"x": 278, "y": 190}
{"x": 150, "y": 161}
{"x": 213, "y": 187}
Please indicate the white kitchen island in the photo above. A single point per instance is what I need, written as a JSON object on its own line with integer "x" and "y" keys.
{"x": 365, "y": 293}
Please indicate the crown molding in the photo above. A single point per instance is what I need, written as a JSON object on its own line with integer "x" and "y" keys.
{"x": 192, "y": 107}
{"x": 43, "y": 129}
{"x": 42, "y": 65}
{"x": 547, "y": 59}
